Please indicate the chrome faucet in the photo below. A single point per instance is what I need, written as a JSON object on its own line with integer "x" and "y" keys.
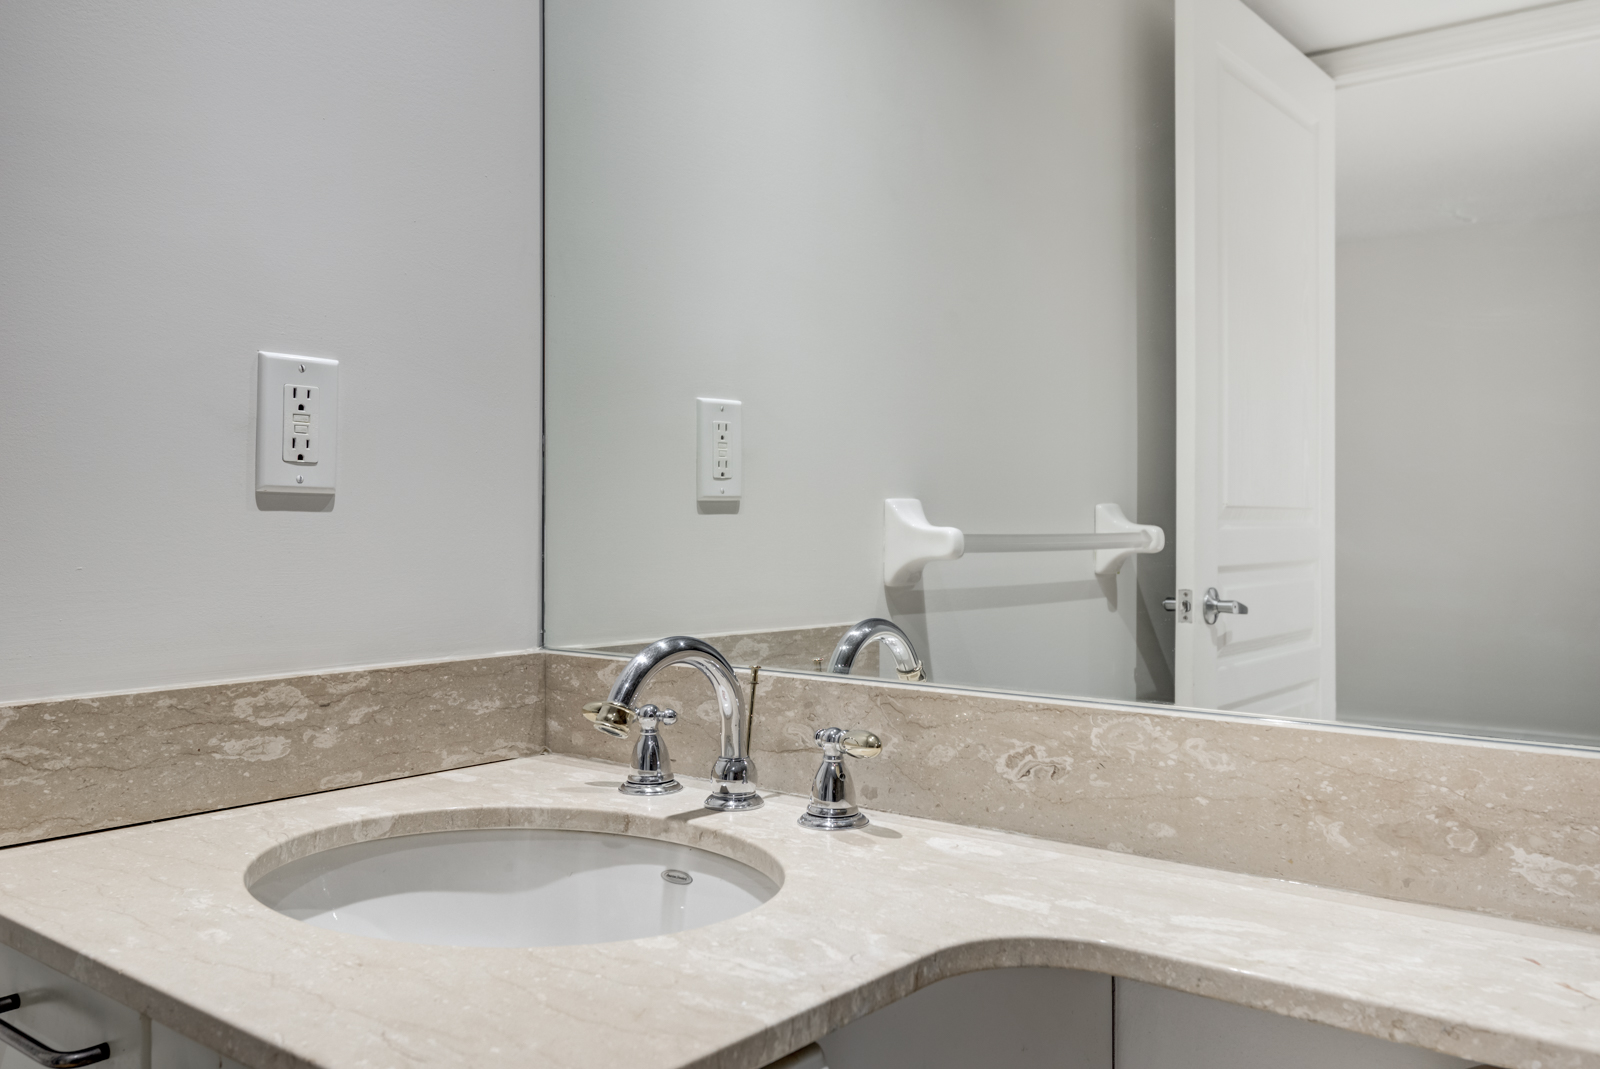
{"x": 734, "y": 774}
{"x": 908, "y": 666}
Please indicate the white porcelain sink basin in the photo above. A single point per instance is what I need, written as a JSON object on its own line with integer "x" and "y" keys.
{"x": 513, "y": 887}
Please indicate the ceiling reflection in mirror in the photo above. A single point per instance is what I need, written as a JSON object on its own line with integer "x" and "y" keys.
{"x": 1095, "y": 349}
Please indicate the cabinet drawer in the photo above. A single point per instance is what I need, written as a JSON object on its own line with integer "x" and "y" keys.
{"x": 64, "y": 1014}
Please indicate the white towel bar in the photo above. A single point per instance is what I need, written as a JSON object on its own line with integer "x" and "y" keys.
{"x": 910, "y": 541}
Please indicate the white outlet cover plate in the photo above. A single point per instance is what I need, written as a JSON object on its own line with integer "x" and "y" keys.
{"x": 719, "y": 461}
{"x": 274, "y": 373}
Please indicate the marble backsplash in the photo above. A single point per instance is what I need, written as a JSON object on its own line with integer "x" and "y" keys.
{"x": 88, "y": 763}
{"x": 1502, "y": 829}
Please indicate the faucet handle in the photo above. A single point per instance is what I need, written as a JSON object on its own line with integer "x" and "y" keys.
{"x": 651, "y": 771}
{"x": 609, "y": 717}
{"x": 614, "y": 719}
{"x": 649, "y": 716}
{"x": 833, "y": 806}
{"x": 835, "y": 741}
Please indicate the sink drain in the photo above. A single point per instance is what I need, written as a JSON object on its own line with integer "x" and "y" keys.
{"x": 677, "y": 876}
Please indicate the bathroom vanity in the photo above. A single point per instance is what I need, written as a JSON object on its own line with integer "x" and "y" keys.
{"x": 161, "y": 919}
{"x": 947, "y": 383}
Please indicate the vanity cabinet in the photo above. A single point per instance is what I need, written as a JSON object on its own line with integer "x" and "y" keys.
{"x": 1158, "y": 1028}
{"x": 169, "y": 1050}
{"x": 1016, "y": 1018}
{"x": 65, "y": 1015}
{"x": 1064, "y": 1019}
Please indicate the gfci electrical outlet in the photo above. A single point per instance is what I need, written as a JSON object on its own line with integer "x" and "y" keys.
{"x": 720, "y": 467}
{"x": 297, "y": 423}
{"x": 299, "y": 443}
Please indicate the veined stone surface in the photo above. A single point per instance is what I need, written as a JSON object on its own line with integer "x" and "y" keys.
{"x": 87, "y": 763}
{"x": 863, "y": 918}
{"x": 1497, "y": 827}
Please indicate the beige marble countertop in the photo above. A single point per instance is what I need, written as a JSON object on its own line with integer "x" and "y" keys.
{"x": 158, "y": 916}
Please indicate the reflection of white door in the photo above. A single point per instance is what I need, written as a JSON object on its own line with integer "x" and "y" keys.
{"x": 1255, "y": 365}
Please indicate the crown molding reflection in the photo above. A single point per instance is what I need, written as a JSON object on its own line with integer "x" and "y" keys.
{"x": 1518, "y": 33}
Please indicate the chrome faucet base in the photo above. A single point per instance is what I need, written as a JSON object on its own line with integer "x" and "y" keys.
{"x": 733, "y": 781}
{"x": 832, "y": 821}
{"x": 735, "y": 803}
{"x": 648, "y": 790}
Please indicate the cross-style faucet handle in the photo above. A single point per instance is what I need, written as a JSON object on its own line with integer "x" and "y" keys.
{"x": 833, "y": 806}
{"x": 665, "y": 717}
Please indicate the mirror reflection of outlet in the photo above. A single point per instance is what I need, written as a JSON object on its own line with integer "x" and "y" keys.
{"x": 720, "y": 471}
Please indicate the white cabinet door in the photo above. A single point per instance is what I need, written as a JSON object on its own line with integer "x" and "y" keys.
{"x": 1158, "y": 1028}
{"x": 169, "y": 1050}
{"x": 1017, "y": 1018}
{"x": 1255, "y": 122}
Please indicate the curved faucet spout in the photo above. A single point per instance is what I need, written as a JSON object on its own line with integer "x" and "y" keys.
{"x": 908, "y": 666}
{"x": 734, "y": 773}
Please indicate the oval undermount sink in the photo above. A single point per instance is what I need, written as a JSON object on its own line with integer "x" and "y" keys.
{"x": 513, "y": 887}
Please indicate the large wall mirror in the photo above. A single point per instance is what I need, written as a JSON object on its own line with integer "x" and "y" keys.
{"x": 1233, "y": 357}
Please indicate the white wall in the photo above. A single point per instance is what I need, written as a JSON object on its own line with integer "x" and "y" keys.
{"x": 928, "y": 244}
{"x": 1516, "y": 137}
{"x": 1469, "y": 367}
{"x": 182, "y": 184}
